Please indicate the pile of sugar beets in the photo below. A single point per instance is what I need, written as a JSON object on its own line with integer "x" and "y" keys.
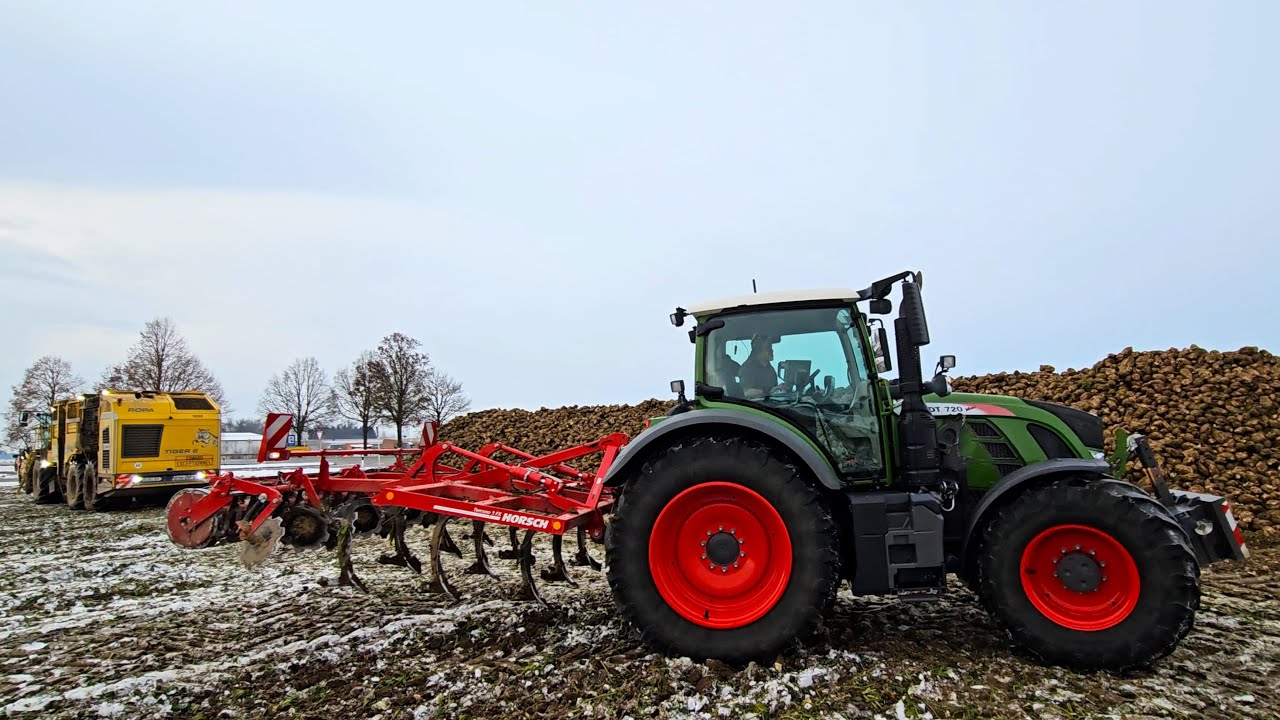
{"x": 1213, "y": 418}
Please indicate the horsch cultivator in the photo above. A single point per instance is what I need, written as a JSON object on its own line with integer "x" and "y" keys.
{"x": 328, "y": 508}
{"x": 797, "y": 466}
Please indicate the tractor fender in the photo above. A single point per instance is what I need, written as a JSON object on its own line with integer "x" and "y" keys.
{"x": 1015, "y": 482}
{"x": 702, "y": 421}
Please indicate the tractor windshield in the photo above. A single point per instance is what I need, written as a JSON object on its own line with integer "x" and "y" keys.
{"x": 808, "y": 365}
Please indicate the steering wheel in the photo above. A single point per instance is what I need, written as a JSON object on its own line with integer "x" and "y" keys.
{"x": 809, "y": 386}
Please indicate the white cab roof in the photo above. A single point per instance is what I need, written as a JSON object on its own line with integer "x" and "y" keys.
{"x": 770, "y": 298}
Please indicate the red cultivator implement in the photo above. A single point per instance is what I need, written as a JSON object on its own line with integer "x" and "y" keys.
{"x": 326, "y": 508}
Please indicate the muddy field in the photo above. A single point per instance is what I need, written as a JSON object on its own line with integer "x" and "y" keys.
{"x": 101, "y": 616}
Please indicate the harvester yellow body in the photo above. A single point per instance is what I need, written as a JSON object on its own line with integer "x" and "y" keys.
{"x": 123, "y": 444}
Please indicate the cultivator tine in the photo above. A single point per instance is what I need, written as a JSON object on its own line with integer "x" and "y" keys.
{"x": 479, "y": 527}
{"x": 481, "y": 565}
{"x": 403, "y": 557}
{"x": 558, "y": 572}
{"x": 346, "y": 571}
{"x": 528, "y": 591}
{"x": 514, "y": 552}
{"x": 446, "y": 543}
{"x": 439, "y": 582}
{"x": 582, "y": 558}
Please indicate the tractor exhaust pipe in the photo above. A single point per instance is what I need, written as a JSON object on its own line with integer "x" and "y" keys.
{"x": 916, "y": 427}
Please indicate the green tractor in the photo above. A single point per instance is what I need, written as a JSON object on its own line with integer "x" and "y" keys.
{"x": 797, "y": 466}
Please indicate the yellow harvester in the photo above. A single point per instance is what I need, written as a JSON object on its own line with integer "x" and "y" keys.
{"x": 121, "y": 444}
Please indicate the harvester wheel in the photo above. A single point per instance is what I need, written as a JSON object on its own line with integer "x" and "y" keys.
{"x": 46, "y": 484}
{"x": 90, "y": 489}
{"x": 720, "y": 549}
{"x": 1090, "y": 575}
{"x": 73, "y": 487}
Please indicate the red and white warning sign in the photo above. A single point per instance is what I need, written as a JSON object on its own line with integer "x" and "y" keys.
{"x": 275, "y": 435}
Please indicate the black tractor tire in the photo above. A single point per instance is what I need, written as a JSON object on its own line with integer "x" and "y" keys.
{"x": 1163, "y": 596}
{"x": 74, "y": 487}
{"x": 46, "y": 486}
{"x": 89, "y": 492}
{"x": 761, "y": 480}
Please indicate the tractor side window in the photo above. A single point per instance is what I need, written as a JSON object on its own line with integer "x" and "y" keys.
{"x": 809, "y": 366}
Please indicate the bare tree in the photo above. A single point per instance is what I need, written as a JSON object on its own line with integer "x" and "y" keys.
{"x": 445, "y": 399}
{"x": 355, "y": 393}
{"x": 400, "y": 378}
{"x": 161, "y": 360}
{"x": 302, "y": 389}
{"x": 48, "y": 380}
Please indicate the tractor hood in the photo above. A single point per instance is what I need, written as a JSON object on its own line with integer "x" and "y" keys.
{"x": 1084, "y": 425}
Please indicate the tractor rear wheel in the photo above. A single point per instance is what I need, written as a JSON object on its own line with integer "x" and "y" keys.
{"x": 1090, "y": 575}
{"x": 718, "y": 548}
{"x": 73, "y": 490}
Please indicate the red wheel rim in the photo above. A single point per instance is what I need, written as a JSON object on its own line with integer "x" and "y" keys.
{"x": 1080, "y": 577}
{"x": 740, "y": 576}
{"x": 179, "y": 507}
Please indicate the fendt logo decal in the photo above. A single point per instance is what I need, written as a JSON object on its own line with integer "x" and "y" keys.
{"x": 968, "y": 409}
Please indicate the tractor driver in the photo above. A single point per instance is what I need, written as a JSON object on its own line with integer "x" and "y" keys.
{"x": 757, "y": 375}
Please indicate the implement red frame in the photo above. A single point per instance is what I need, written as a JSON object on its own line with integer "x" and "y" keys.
{"x": 542, "y": 493}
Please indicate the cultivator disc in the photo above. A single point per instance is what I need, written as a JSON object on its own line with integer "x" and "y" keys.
{"x": 261, "y": 543}
{"x": 304, "y": 528}
{"x": 183, "y": 532}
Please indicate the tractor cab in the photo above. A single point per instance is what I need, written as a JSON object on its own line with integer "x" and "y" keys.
{"x": 804, "y": 360}
{"x": 809, "y": 359}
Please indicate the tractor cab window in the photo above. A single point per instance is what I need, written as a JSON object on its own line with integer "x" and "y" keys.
{"x": 808, "y": 365}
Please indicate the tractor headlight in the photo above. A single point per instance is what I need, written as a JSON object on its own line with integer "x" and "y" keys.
{"x": 135, "y": 480}
{"x": 44, "y": 464}
{"x": 201, "y": 475}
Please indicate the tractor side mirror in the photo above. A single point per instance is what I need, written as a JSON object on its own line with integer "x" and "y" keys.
{"x": 881, "y": 306}
{"x": 912, "y": 313}
{"x": 24, "y": 418}
{"x": 828, "y": 384}
{"x": 884, "y": 363}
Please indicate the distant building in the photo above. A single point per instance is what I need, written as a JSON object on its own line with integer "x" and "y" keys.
{"x": 240, "y": 446}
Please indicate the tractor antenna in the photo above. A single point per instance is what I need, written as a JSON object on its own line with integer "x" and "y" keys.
{"x": 753, "y": 285}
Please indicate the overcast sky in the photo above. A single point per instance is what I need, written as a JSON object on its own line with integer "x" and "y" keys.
{"x": 529, "y": 192}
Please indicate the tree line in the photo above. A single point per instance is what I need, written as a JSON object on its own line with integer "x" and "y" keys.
{"x": 393, "y": 383}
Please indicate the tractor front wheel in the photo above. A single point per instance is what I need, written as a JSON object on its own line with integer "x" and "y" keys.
{"x": 1090, "y": 575}
{"x": 719, "y": 549}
